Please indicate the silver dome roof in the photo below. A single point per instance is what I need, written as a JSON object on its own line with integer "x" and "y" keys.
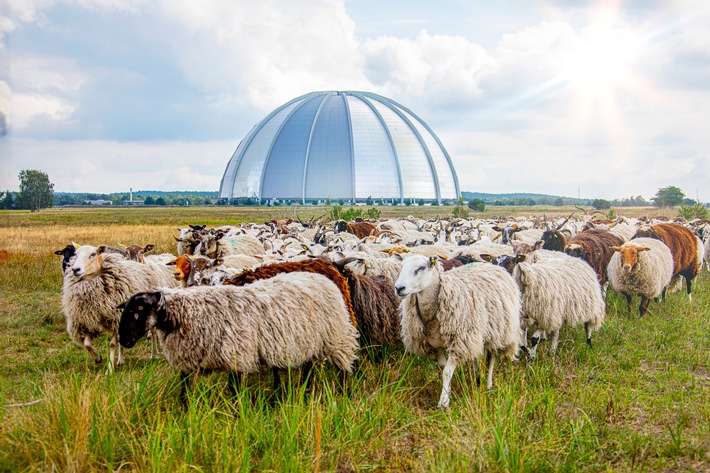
{"x": 341, "y": 145}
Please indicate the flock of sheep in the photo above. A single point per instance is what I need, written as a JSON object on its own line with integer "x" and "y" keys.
{"x": 286, "y": 294}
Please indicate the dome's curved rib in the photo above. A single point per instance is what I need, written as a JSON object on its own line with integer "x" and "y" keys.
{"x": 306, "y": 100}
{"x": 244, "y": 145}
{"x": 438, "y": 142}
{"x": 308, "y": 147}
{"x": 348, "y": 117}
{"x": 389, "y": 137}
{"x": 396, "y": 109}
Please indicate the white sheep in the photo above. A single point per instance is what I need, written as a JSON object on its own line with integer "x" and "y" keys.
{"x": 558, "y": 291}
{"x": 218, "y": 246}
{"x": 458, "y": 315}
{"x": 282, "y": 322}
{"x": 641, "y": 267}
{"x": 93, "y": 288}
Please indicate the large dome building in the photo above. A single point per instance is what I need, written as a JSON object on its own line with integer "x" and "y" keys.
{"x": 341, "y": 145}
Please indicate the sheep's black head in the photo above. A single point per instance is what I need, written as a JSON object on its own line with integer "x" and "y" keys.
{"x": 67, "y": 253}
{"x": 140, "y": 314}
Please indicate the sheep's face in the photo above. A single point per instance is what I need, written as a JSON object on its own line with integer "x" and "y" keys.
{"x": 183, "y": 266}
{"x": 210, "y": 244}
{"x": 87, "y": 262}
{"x": 506, "y": 261}
{"x": 67, "y": 253}
{"x": 416, "y": 275}
{"x": 629, "y": 256}
{"x": 576, "y": 251}
{"x": 140, "y": 314}
{"x": 137, "y": 253}
{"x": 199, "y": 272}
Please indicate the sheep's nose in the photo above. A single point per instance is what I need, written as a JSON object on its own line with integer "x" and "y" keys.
{"x": 400, "y": 290}
{"x": 76, "y": 271}
{"x": 627, "y": 268}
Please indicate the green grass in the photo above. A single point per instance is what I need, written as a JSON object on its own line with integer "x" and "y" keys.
{"x": 639, "y": 400}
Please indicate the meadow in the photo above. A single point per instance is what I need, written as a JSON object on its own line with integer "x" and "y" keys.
{"x": 639, "y": 400}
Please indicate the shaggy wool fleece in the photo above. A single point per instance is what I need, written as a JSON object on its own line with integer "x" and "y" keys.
{"x": 465, "y": 311}
{"x": 650, "y": 276}
{"x": 282, "y": 322}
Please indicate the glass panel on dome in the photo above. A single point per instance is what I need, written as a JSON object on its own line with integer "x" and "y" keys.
{"x": 417, "y": 178}
{"x": 447, "y": 187}
{"x": 249, "y": 168}
{"x": 329, "y": 171}
{"x": 283, "y": 177}
{"x": 375, "y": 166}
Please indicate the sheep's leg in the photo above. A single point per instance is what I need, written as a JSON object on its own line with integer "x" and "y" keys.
{"x": 491, "y": 363}
{"x": 307, "y": 374}
{"x": 534, "y": 341}
{"x": 643, "y": 308}
{"x": 688, "y": 284}
{"x": 441, "y": 357}
{"x": 277, "y": 378}
{"x": 555, "y": 340}
{"x": 154, "y": 346}
{"x": 233, "y": 382}
{"x": 588, "y": 329}
{"x": 446, "y": 380}
{"x": 95, "y": 357}
{"x": 628, "y": 302}
{"x": 112, "y": 354}
{"x": 184, "y": 378}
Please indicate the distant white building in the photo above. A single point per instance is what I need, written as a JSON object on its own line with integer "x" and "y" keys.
{"x": 98, "y": 202}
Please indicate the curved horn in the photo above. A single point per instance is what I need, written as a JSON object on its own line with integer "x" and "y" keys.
{"x": 562, "y": 224}
{"x": 340, "y": 264}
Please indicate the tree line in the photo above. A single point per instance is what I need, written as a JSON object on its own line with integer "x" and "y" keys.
{"x": 37, "y": 192}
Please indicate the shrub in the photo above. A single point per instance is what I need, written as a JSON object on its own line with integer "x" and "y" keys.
{"x": 690, "y": 212}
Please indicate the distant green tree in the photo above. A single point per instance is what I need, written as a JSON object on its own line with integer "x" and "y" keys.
{"x": 690, "y": 212}
{"x": 601, "y": 204}
{"x": 668, "y": 197}
{"x": 149, "y": 200}
{"x": 559, "y": 202}
{"x": 460, "y": 211}
{"x": 160, "y": 201}
{"x": 36, "y": 191}
{"x": 479, "y": 205}
{"x": 7, "y": 201}
{"x": 368, "y": 201}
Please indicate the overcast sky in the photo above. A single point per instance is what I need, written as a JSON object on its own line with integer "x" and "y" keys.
{"x": 601, "y": 98}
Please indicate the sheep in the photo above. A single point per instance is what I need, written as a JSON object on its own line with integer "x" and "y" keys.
{"x": 595, "y": 247}
{"x": 685, "y": 249}
{"x": 641, "y": 267}
{"x": 309, "y": 265}
{"x": 458, "y": 315}
{"x": 556, "y": 240}
{"x": 284, "y": 322}
{"x": 389, "y": 267}
{"x": 92, "y": 290}
{"x": 217, "y": 246}
{"x": 557, "y": 292}
{"x": 376, "y": 307}
{"x": 67, "y": 253}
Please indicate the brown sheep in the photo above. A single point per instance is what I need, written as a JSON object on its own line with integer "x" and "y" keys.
{"x": 684, "y": 247}
{"x": 310, "y": 266}
{"x": 595, "y": 247}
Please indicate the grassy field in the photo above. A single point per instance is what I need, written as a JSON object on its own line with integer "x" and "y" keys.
{"x": 638, "y": 401}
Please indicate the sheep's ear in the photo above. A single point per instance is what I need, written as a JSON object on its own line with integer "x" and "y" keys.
{"x": 538, "y": 245}
{"x": 59, "y": 252}
{"x": 519, "y": 259}
{"x": 148, "y": 247}
{"x": 487, "y": 258}
{"x": 218, "y": 262}
{"x": 433, "y": 260}
{"x": 304, "y": 246}
{"x": 122, "y": 305}
{"x": 616, "y": 248}
{"x": 101, "y": 249}
{"x": 172, "y": 263}
{"x": 642, "y": 248}
{"x": 76, "y": 246}
{"x": 497, "y": 228}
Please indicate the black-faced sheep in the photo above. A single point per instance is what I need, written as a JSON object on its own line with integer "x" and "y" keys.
{"x": 283, "y": 322}
{"x": 641, "y": 267}
{"x": 595, "y": 247}
{"x": 93, "y": 288}
{"x": 459, "y": 315}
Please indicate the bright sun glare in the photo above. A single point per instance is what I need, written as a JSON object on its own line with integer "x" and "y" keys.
{"x": 601, "y": 62}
